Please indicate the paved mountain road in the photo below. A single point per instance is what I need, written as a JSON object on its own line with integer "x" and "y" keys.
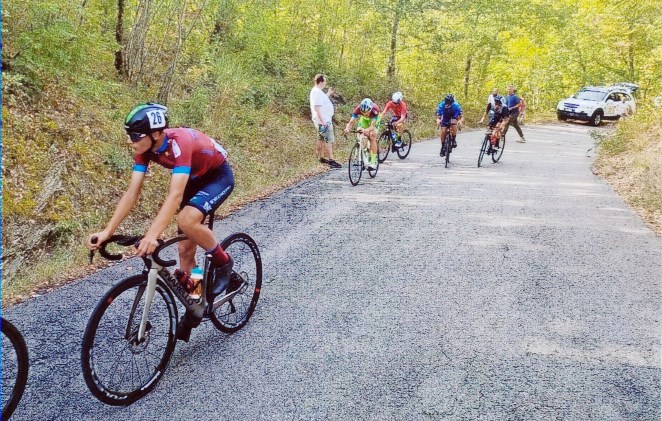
{"x": 525, "y": 289}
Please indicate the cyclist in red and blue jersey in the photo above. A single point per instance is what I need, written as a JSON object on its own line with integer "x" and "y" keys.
{"x": 201, "y": 180}
{"x": 399, "y": 108}
{"x": 449, "y": 115}
{"x": 366, "y": 115}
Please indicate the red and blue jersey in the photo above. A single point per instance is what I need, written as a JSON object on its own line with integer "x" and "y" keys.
{"x": 399, "y": 110}
{"x": 184, "y": 151}
{"x": 374, "y": 112}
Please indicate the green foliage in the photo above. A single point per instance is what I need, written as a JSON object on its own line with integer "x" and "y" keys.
{"x": 629, "y": 135}
{"x": 242, "y": 71}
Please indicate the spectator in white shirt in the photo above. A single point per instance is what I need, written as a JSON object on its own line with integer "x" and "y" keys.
{"x": 321, "y": 110}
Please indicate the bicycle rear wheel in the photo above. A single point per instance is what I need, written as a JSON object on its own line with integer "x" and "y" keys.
{"x": 354, "y": 165}
{"x": 384, "y": 146}
{"x": 406, "y": 140}
{"x": 496, "y": 156}
{"x": 246, "y": 280}
{"x": 14, "y": 368}
{"x": 483, "y": 149}
{"x": 117, "y": 368}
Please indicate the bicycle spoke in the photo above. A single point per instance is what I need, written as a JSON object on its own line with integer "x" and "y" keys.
{"x": 114, "y": 376}
{"x": 115, "y": 365}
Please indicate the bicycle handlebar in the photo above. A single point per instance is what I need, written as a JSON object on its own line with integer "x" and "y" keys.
{"x": 161, "y": 246}
{"x": 123, "y": 240}
{"x": 132, "y": 240}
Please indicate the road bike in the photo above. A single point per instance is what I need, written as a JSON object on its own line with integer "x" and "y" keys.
{"x": 15, "y": 365}
{"x": 359, "y": 158}
{"x": 487, "y": 148}
{"x": 446, "y": 145}
{"x": 131, "y": 333}
{"x": 387, "y": 143}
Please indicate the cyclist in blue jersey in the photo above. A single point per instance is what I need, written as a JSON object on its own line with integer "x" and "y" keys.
{"x": 449, "y": 116}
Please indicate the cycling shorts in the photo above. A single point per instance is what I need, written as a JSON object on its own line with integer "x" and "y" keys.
{"x": 206, "y": 193}
{"x": 448, "y": 122}
{"x": 394, "y": 118}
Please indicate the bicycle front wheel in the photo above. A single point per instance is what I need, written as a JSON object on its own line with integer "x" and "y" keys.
{"x": 245, "y": 283}
{"x": 118, "y": 368}
{"x": 483, "y": 149}
{"x": 404, "y": 149}
{"x": 355, "y": 165}
{"x": 384, "y": 146}
{"x": 14, "y": 368}
{"x": 496, "y": 156}
{"x": 448, "y": 150}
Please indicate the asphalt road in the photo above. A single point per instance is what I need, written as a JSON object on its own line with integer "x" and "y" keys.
{"x": 525, "y": 289}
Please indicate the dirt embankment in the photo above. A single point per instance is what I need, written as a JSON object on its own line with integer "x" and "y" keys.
{"x": 630, "y": 159}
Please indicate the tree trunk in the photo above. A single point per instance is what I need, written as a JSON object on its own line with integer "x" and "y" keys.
{"x": 168, "y": 77}
{"x": 82, "y": 13}
{"x": 134, "y": 52}
{"x": 390, "y": 72}
{"x": 631, "y": 59}
{"x": 467, "y": 72}
{"x": 119, "y": 37}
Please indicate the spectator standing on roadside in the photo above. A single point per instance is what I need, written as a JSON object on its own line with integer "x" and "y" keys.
{"x": 321, "y": 110}
{"x": 514, "y": 103}
{"x": 623, "y": 109}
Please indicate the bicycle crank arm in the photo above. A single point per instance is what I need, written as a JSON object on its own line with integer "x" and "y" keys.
{"x": 224, "y": 299}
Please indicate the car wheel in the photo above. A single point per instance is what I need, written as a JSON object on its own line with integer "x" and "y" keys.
{"x": 596, "y": 118}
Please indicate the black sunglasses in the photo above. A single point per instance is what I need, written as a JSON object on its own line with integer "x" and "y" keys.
{"x": 136, "y": 137}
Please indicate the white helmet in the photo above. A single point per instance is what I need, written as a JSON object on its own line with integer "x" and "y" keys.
{"x": 397, "y": 97}
{"x": 366, "y": 104}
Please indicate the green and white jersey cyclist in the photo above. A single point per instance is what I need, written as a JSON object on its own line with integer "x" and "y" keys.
{"x": 366, "y": 116}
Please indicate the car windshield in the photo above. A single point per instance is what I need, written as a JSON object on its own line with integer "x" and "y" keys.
{"x": 590, "y": 95}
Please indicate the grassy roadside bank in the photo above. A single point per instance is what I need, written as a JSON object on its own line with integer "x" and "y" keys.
{"x": 55, "y": 196}
{"x": 630, "y": 160}
{"x": 44, "y": 230}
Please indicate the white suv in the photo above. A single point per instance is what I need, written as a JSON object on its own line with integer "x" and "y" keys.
{"x": 597, "y": 103}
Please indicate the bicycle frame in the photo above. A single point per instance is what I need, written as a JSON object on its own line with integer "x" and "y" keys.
{"x": 156, "y": 269}
{"x": 364, "y": 144}
{"x": 200, "y": 308}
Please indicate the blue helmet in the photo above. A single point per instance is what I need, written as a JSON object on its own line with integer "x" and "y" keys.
{"x": 366, "y": 104}
{"x": 498, "y": 99}
{"x": 449, "y": 99}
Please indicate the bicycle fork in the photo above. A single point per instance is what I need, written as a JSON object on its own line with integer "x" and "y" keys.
{"x": 149, "y": 297}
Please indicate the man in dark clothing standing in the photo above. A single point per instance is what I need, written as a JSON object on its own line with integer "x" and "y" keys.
{"x": 514, "y": 103}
